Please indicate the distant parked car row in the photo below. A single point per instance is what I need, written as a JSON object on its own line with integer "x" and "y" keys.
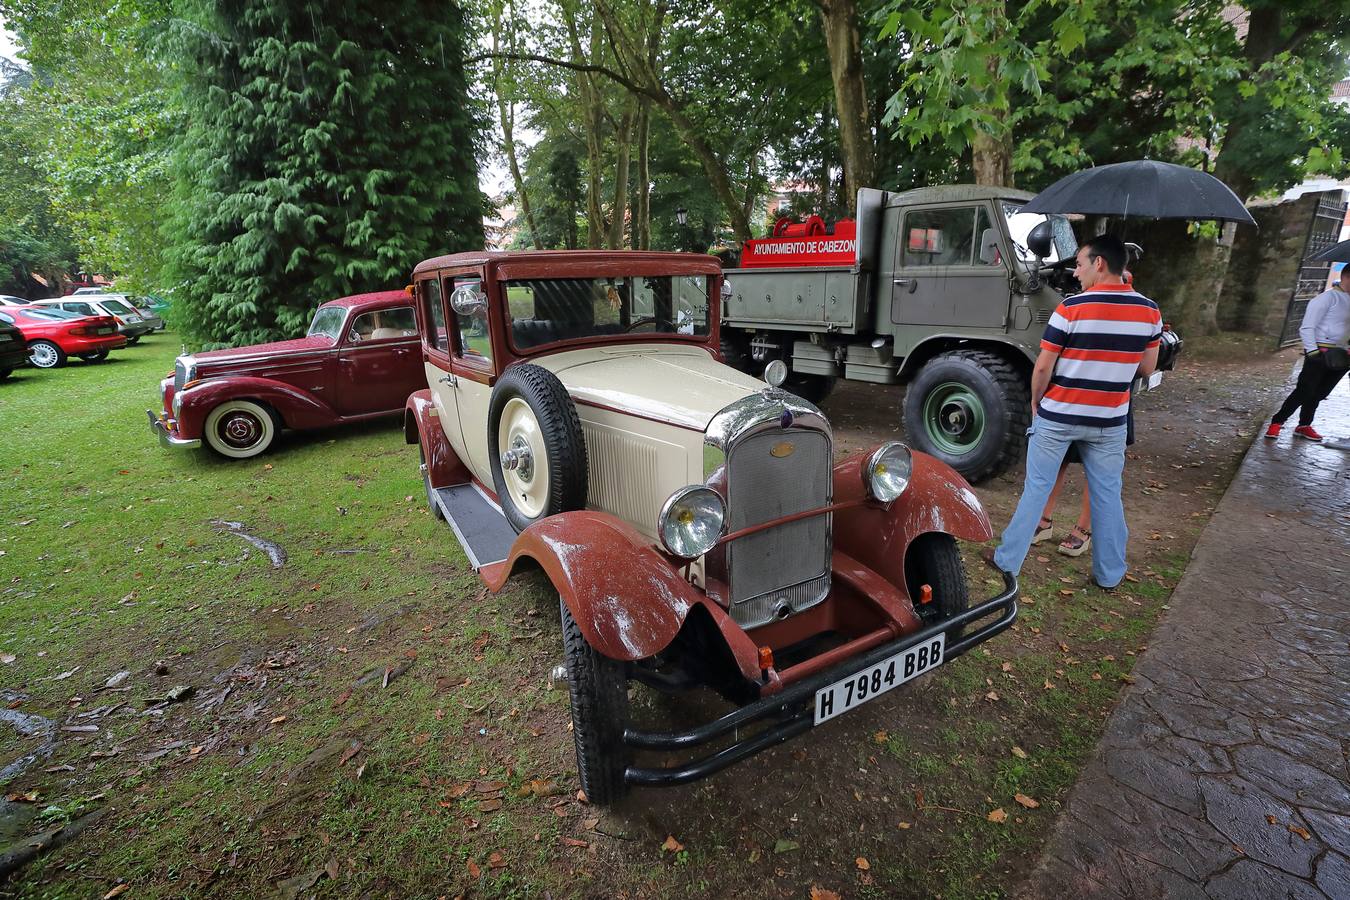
{"x": 47, "y": 333}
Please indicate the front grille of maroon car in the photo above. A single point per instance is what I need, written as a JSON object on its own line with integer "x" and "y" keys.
{"x": 782, "y": 570}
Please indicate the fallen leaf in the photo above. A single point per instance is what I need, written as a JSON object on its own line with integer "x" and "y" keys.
{"x": 881, "y": 737}
{"x": 496, "y": 860}
{"x": 1007, "y": 667}
{"x": 1048, "y": 685}
{"x": 474, "y": 871}
{"x": 420, "y": 739}
{"x": 672, "y": 845}
{"x": 7, "y": 658}
{"x": 490, "y": 805}
{"x": 1019, "y": 752}
{"x": 783, "y": 845}
{"x": 277, "y": 720}
{"x": 360, "y": 770}
{"x": 1270, "y": 820}
{"x": 117, "y": 891}
{"x": 352, "y": 749}
{"x": 991, "y": 696}
{"x": 903, "y": 826}
{"x": 1301, "y": 832}
{"x": 29, "y": 797}
{"x": 997, "y": 815}
{"x": 862, "y": 863}
{"x": 820, "y": 893}
{"x": 575, "y": 842}
{"x": 1066, "y": 592}
{"x": 1026, "y": 801}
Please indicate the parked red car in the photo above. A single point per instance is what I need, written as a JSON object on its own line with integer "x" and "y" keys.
{"x": 361, "y": 358}
{"x": 52, "y": 335}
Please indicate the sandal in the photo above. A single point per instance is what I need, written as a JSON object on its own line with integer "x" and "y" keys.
{"x": 1044, "y": 531}
{"x": 1079, "y": 540}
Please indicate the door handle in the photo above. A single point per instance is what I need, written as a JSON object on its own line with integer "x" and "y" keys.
{"x": 913, "y": 284}
{"x": 447, "y": 378}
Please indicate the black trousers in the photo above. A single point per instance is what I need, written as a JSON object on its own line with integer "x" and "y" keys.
{"x": 1314, "y": 383}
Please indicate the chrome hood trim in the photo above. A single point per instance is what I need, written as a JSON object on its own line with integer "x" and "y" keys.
{"x": 767, "y": 408}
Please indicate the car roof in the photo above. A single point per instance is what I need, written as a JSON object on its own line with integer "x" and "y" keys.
{"x": 372, "y": 297}
{"x": 574, "y": 263}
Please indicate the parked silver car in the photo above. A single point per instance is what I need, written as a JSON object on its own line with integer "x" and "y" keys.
{"x": 130, "y": 321}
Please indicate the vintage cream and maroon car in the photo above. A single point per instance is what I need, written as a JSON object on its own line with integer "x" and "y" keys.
{"x": 692, "y": 518}
{"x": 360, "y": 359}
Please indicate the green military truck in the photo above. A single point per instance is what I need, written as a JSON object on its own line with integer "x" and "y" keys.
{"x": 944, "y": 289}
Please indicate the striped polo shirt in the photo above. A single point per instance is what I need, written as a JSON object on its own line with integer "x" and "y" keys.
{"x": 1100, "y": 336}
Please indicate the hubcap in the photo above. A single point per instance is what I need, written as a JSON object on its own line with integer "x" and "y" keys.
{"x": 42, "y": 356}
{"x": 954, "y": 418}
{"x": 519, "y": 459}
{"x": 524, "y": 464}
{"x": 240, "y": 430}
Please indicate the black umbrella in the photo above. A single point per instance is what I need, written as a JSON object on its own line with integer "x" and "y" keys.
{"x": 1144, "y": 188}
{"x": 1335, "y": 253}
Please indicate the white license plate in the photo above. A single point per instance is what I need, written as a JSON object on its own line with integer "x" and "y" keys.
{"x": 5, "y": 337}
{"x": 1154, "y": 380}
{"x": 103, "y": 330}
{"x": 876, "y": 680}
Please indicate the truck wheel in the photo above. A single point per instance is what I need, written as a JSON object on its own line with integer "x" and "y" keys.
{"x": 240, "y": 429}
{"x": 934, "y": 560}
{"x": 599, "y": 691}
{"x": 536, "y": 446}
{"x": 811, "y": 388}
{"x": 970, "y": 409}
{"x": 436, "y": 512}
{"x": 736, "y": 352}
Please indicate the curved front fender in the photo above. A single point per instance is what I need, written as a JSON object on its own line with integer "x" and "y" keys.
{"x": 628, "y": 600}
{"x": 298, "y": 408}
{"x": 938, "y": 499}
{"x": 422, "y": 425}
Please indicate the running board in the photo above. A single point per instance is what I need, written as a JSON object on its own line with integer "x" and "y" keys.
{"x": 482, "y": 530}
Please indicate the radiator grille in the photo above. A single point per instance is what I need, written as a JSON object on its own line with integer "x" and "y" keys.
{"x": 789, "y": 563}
{"x": 179, "y": 375}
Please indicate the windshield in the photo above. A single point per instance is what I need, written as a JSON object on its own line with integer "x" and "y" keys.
{"x": 117, "y": 306}
{"x": 327, "y": 322}
{"x": 1020, "y": 225}
{"x": 547, "y": 310}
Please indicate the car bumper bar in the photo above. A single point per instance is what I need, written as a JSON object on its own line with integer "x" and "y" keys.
{"x": 166, "y": 436}
{"x": 792, "y": 709}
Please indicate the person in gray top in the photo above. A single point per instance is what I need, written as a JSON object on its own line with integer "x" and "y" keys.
{"x": 1323, "y": 333}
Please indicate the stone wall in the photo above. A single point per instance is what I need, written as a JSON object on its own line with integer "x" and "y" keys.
{"x": 1182, "y": 272}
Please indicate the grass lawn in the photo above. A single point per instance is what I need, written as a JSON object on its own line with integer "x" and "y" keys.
{"x": 367, "y": 720}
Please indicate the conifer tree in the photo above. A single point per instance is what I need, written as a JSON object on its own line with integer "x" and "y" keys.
{"x": 331, "y": 147}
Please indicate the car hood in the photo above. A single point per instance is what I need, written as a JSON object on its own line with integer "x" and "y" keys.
{"x": 218, "y": 359}
{"x": 671, "y": 383}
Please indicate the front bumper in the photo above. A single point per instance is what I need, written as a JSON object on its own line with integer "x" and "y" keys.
{"x": 167, "y": 431}
{"x": 792, "y": 709}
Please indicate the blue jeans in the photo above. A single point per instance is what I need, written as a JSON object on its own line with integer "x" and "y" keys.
{"x": 1103, "y": 453}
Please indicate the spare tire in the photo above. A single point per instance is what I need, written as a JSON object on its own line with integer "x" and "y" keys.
{"x": 535, "y": 446}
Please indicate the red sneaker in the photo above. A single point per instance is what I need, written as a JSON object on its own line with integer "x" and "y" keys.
{"x": 1274, "y": 430}
{"x": 1307, "y": 433}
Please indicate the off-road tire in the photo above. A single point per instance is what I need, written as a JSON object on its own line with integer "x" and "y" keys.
{"x": 599, "y": 690}
{"x": 933, "y": 559}
{"x": 811, "y": 388}
{"x": 564, "y": 443}
{"x": 736, "y": 351}
{"x": 436, "y": 511}
{"x": 1004, "y": 396}
{"x": 44, "y": 354}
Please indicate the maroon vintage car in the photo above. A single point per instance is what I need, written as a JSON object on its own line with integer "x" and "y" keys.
{"x": 361, "y": 358}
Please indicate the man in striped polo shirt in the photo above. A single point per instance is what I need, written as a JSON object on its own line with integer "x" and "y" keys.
{"x": 1096, "y": 344}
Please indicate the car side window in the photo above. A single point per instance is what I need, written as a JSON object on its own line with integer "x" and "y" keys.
{"x": 434, "y": 311}
{"x": 474, "y": 345}
{"x": 383, "y": 325}
{"x": 82, "y": 308}
{"x": 940, "y": 237}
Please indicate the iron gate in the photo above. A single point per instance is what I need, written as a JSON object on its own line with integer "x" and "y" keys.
{"x": 1323, "y": 231}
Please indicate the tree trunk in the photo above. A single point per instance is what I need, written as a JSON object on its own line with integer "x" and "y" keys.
{"x": 751, "y": 194}
{"x": 713, "y": 166}
{"x": 592, "y": 115}
{"x": 1262, "y": 45}
{"x": 839, "y": 20}
{"x": 506, "y": 110}
{"x": 991, "y": 153}
{"x": 642, "y": 203}
{"x": 623, "y": 148}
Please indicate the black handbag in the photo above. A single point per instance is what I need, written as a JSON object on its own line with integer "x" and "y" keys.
{"x": 1336, "y": 359}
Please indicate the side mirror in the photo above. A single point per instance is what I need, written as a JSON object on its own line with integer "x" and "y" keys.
{"x": 468, "y": 301}
{"x": 1041, "y": 240}
{"x": 990, "y": 253}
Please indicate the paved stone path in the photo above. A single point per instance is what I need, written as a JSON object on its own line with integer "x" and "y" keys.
{"x": 1225, "y": 770}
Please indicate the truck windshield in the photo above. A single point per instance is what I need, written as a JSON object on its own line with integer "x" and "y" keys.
{"x": 547, "y": 310}
{"x": 1020, "y": 225}
{"x": 327, "y": 322}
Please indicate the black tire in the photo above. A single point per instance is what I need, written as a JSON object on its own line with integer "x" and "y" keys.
{"x": 436, "y": 512}
{"x": 811, "y": 388}
{"x": 933, "y": 559}
{"x": 598, "y": 687}
{"x": 5, "y": 373}
{"x": 45, "y": 355}
{"x": 131, "y": 342}
{"x": 97, "y": 356}
{"x": 736, "y": 351}
{"x": 939, "y": 412}
{"x": 565, "y": 472}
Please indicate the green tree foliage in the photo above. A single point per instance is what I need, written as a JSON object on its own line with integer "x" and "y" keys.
{"x": 330, "y": 147}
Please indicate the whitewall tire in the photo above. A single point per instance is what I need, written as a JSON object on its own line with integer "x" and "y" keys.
{"x": 240, "y": 429}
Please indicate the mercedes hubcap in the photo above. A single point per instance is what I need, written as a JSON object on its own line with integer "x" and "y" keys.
{"x": 241, "y": 430}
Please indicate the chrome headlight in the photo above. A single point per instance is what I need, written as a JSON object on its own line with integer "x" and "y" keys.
{"x": 691, "y": 521}
{"x": 888, "y": 471}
